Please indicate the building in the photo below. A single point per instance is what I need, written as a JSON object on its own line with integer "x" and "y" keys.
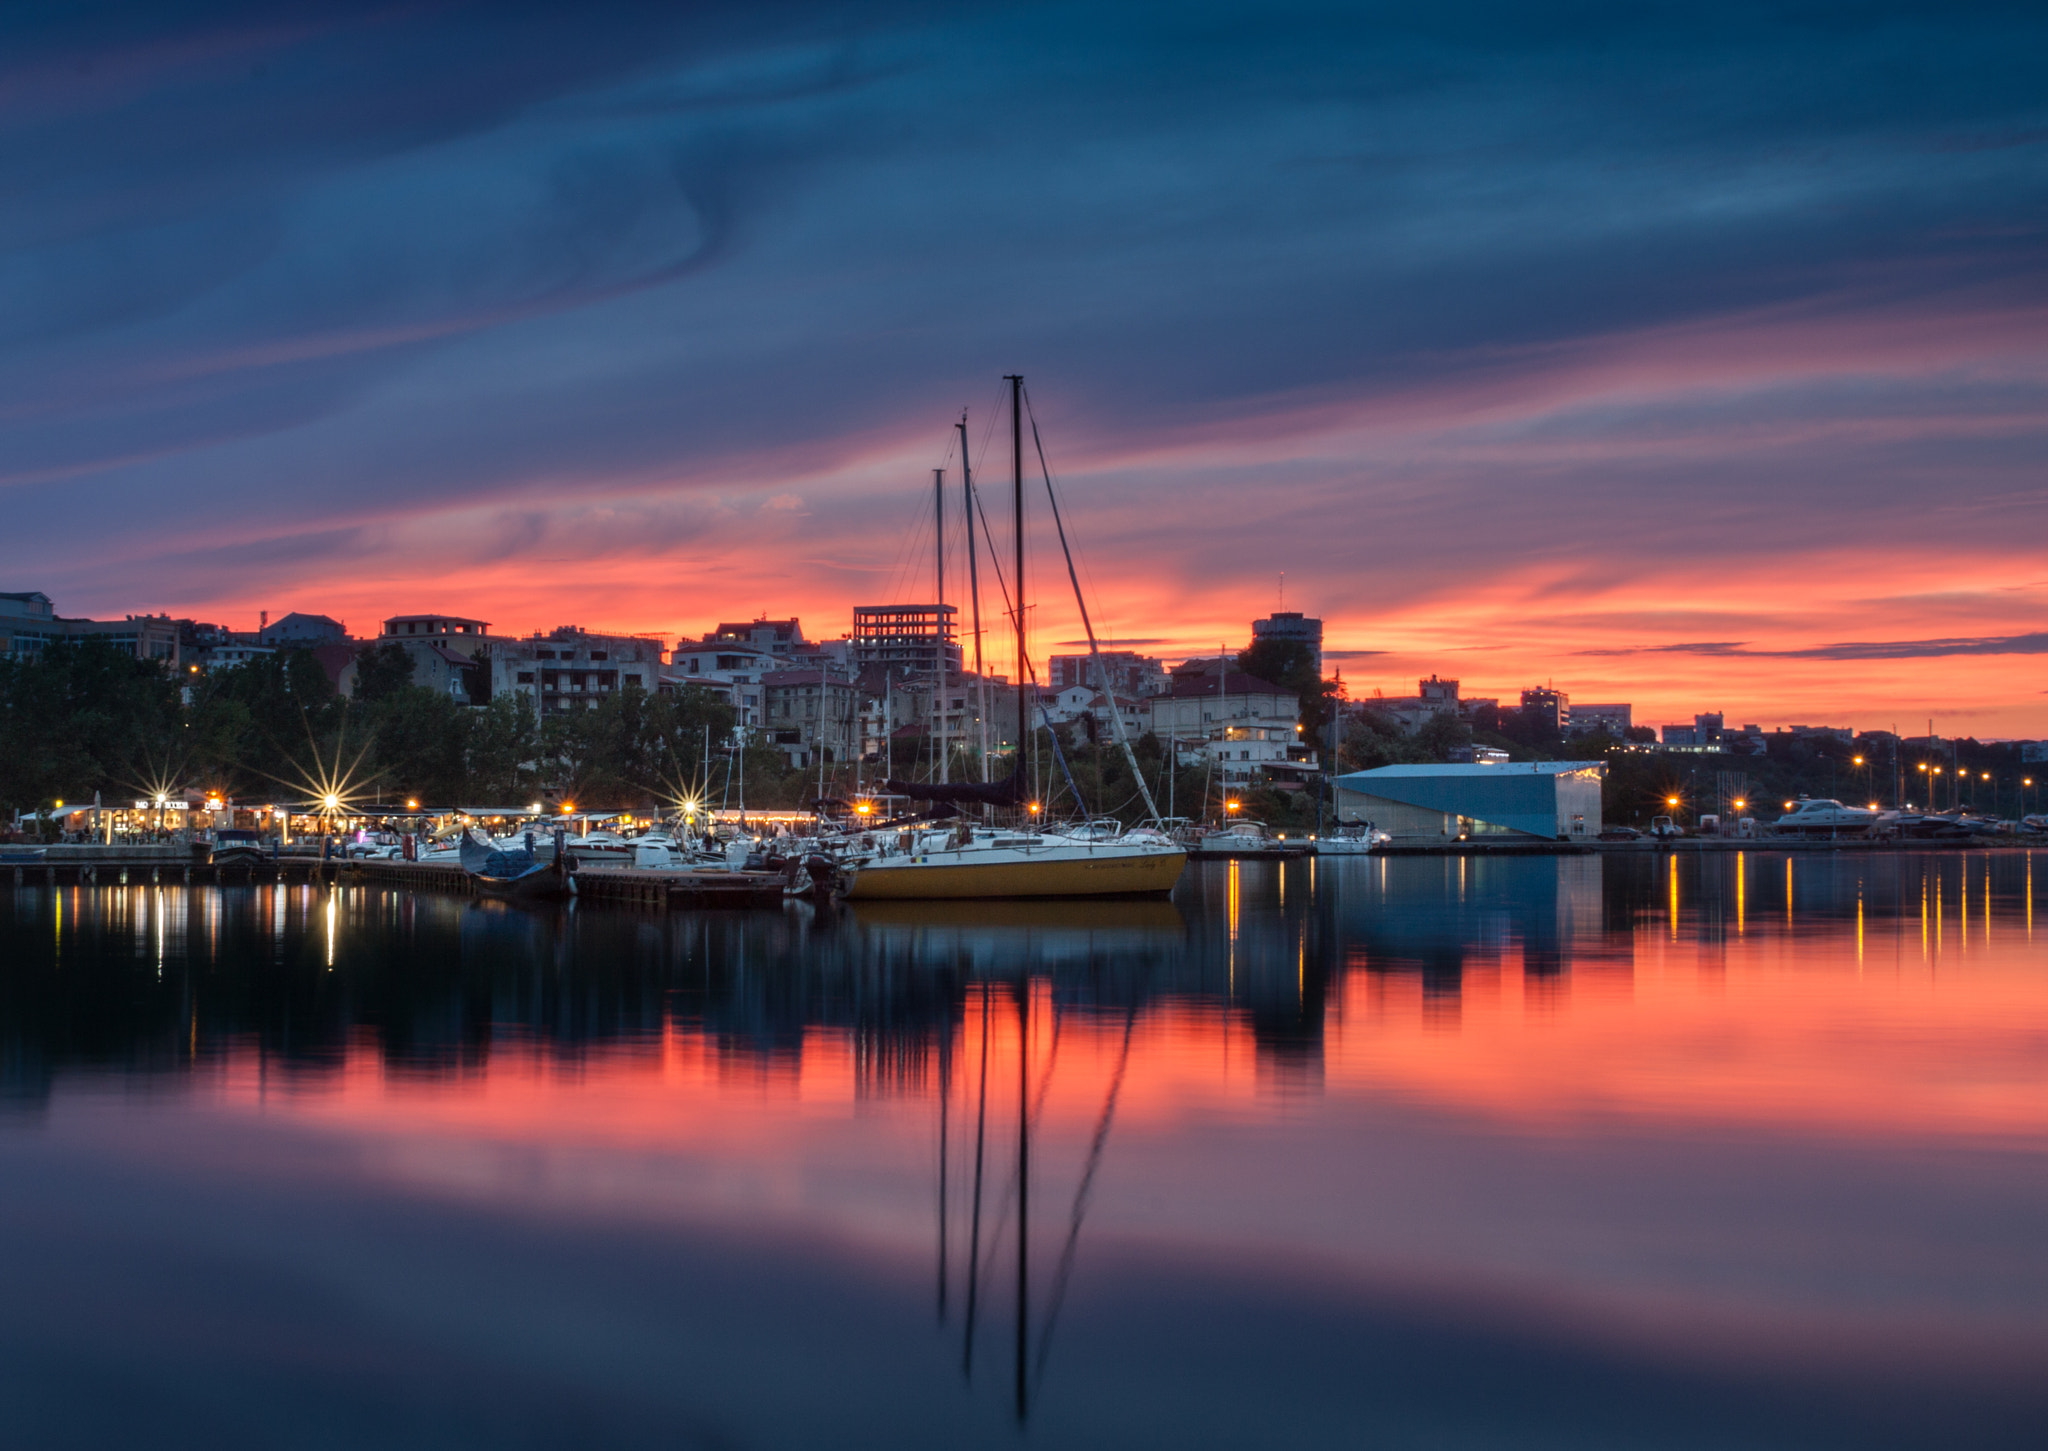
{"x": 1547, "y": 709}
{"x": 1478, "y": 755}
{"x": 296, "y": 630}
{"x": 1432, "y": 698}
{"x": 904, "y": 710}
{"x": 1547, "y": 800}
{"x": 1679, "y": 735}
{"x": 730, "y": 668}
{"x": 770, "y": 637}
{"x": 568, "y": 668}
{"x": 467, "y": 636}
{"x": 1293, "y": 627}
{"x": 1250, "y": 728}
{"x": 905, "y": 639}
{"x": 232, "y": 654}
{"x": 808, "y": 711}
{"x": 30, "y": 624}
{"x": 1591, "y": 720}
{"x": 1077, "y": 703}
{"x": 1129, "y": 673}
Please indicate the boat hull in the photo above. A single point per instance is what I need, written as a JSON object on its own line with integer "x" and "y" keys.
{"x": 543, "y": 884}
{"x": 1041, "y": 875}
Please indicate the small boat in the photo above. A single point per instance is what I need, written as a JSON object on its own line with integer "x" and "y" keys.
{"x": 519, "y": 874}
{"x": 1242, "y": 841}
{"x": 235, "y": 847}
{"x": 1351, "y": 838}
{"x": 16, "y": 855}
{"x": 605, "y": 848}
{"x": 1825, "y": 814}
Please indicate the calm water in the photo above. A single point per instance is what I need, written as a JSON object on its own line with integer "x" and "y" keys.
{"x": 1560, "y": 1152}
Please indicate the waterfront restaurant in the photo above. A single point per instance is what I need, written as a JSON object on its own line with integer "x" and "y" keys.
{"x": 1538, "y": 800}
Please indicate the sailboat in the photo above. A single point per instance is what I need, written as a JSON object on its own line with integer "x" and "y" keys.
{"x": 972, "y": 860}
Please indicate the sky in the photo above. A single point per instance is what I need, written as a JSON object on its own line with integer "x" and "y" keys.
{"x": 1683, "y": 355}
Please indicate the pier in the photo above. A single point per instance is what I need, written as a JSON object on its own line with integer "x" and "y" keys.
{"x": 658, "y": 890}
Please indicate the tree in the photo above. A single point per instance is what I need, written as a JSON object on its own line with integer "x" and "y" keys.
{"x": 82, "y": 718}
{"x": 382, "y": 670}
{"x": 504, "y": 744}
{"x": 421, "y": 740}
{"x": 1440, "y": 734}
{"x": 1292, "y": 663}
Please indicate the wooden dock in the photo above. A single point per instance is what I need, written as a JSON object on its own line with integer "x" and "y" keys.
{"x": 654, "y": 890}
{"x": 621, "y": 886}
{"x": 156, "y": 866}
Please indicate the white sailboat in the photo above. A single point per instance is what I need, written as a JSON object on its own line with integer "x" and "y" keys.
{"x": 971, "y": 860}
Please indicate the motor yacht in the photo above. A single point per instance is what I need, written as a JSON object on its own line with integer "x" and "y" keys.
{"x": 1825, "y": 814}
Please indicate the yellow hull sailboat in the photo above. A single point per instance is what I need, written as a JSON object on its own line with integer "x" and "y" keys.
{"x": 1006, "y": 865}
{"x": 1095, "y": 859}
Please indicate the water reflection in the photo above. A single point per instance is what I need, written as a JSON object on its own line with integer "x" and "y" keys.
{"x": 153, "y": 977}
{"x": 1586, "y": 1101}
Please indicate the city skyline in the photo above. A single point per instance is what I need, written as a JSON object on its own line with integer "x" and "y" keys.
{"x": 1692, "y": 362}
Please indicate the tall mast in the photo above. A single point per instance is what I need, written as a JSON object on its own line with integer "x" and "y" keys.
{"x": 1017, "y": 466}
{"x": 939, "y": 551}
{"x": 974, "y": 588}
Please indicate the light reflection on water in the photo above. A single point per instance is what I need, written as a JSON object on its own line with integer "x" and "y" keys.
{"x": 1624, "y": 1150}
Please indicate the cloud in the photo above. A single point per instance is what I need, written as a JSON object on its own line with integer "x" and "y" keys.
{"x": 2030, "y": 644}
{"x": 1484, "y": 324}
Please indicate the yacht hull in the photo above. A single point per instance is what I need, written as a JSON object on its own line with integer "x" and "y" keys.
{"x": 1041, "y": 874}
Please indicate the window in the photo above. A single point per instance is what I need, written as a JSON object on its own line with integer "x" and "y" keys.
{"x": 600, "y": 654}
{"x": 526, "y": 677}
{"x": 543, "y": 654}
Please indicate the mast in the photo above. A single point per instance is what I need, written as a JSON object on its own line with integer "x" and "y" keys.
{"x": 1017, "y": 467}
{"x": 939, "y": 551}
{"x": 974, "y": 589}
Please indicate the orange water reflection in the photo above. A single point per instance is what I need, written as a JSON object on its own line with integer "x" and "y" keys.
{"x": 1844, "y": 996}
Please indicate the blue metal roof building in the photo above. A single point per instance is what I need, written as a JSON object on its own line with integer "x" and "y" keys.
{"x": 1550, "y": 800}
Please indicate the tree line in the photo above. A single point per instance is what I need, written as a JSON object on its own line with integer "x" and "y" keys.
{"x": 86, "y": 716}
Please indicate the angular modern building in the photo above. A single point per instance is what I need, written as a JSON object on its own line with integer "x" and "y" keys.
{"x": 1541, "y": 800}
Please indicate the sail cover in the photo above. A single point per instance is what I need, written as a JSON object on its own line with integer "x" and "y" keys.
{"x": 1007, "y": 792}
